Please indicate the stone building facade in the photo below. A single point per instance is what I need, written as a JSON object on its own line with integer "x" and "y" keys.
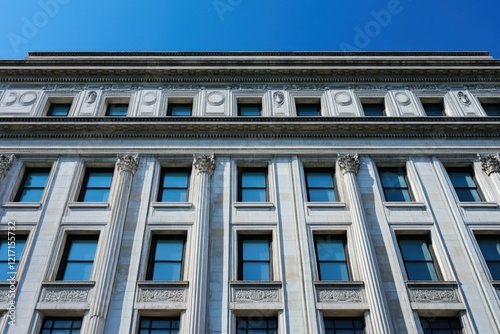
{"x": 270, "y": 192}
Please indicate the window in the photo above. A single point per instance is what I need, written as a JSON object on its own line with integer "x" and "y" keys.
{"x": 464, "y": 183}
{"x": 174, "y": 185}
{"x": 252, "y": 185}
{"x": 441, "y": 325}
{"x": 165, "y": 261}
{"x": 308, "y": 109}
{"x": 78, "y": 258}
{"x": 96, "y": 185}
{"x": 373, "y": 109}
{"x": 59, "y": 109}
{"x": 61, "y": 326}
{"x": 254, "y": 261}
{"x": 394, "y": 184}
{"x": 417, "y": 258}
{"x": 344, "y": 325}
{"x": 331, "y": 258}
{"x": 180, "y": 109}
{"x": 249, "y": 109}
{"x": 433, "y": 109}
{"x": 117, "y": 109}
{"x": 320, "y": 186}
{"x": 256, "y": 325}
{"x": 159, "y": 325}
{"x": 490, "y": 248}
{"x": 491, "y": 109}
{"x": 33, "y": 185}
{"x": 11, "y": 250}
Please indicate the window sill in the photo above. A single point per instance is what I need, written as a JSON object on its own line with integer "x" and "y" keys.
{"x": 94, "y": 205}
{"x": 253, "y": 205}
{"x": 171, "y": 205}
{"x": 22, "y": 205}
{"x": 325, "y": 204}
{"x": 404, "y": 205}
{"x": 485, "y": 205}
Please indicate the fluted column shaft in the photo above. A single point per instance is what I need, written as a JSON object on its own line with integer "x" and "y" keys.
{"x": 379, "y": 315}
{"x": 197, "y": 309}
{"x": 110, "y": 240}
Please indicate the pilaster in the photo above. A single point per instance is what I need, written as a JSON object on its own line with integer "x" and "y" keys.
{"x": 106, "y": 259}
{"x": 379, "y": 314}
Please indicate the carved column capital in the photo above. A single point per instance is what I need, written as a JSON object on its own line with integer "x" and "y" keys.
{"x": 490, "y": 163}
{"x": 127, "y": 162}
{"x": 204, "y": 163}
{"x": 349, "y": 163}
{"x": 5, "y": 163}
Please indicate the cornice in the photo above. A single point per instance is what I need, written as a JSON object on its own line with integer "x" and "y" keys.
{"x": 241, "y": 127}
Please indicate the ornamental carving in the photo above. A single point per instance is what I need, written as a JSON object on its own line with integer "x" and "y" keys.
{"x": 10, "y": 99}
{"x": 343, "y": 98}
{"x": 490, "y": 163}
{"x": 65, "y": 295}
{"x": 256, "y": 296}
{"x": 91, "y": 97}
{"x": 339, "y": 296}
{"x": 215, "y": 98}
{"x": 28, "y": 98}
{"x": 279, "y": 98}
{"x": 5, "y": 163}
{"x": 149, "y": 98}
{"x": 402, "y": 98}
{"x": 204, "y": 163}
{"x": 127, "y": 163}
{"x": 4, "y": 295}
{"x": 464, "y": 98}
{"x": 349, "y": 163}
{"x": 433, "y": 296}
{"x": 161, "y": 295}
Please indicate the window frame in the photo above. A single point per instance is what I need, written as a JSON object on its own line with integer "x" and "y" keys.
{"x": 317, "y": 105}
{"x": 396, "y": 171}
{"x": 332, "y": 236}
{"x": 489, "y": 101}
{"x": 333, "y": 330}
{"x": 161, "y": 185}
{"x": 427, "y": 239}
{"x": 52, "y": 105}
{"x": 373, "y": 102}
{"x": 8, "y": 238}
{"x": 470, "y": 170}
{"x": 330, "y": 171}
{"x": 67, "y": 248}
{"x": 156, "y": 318}
{"x": 241, "y": 261}
{"x": 70, "y": 330}
{"x": 241, "y": 171}
{"x": 431, "y": 330}
{"x": 110, "y": 105}
{"x": 152, "y": 254}
{"x": 250, "y": 320}
{"x": 170, "y": 106}
{"x": 242, "y": 105}
{"x": 84, "y": 186}
{"x": 483, "y": 237}
{"x": 22, "y": 185}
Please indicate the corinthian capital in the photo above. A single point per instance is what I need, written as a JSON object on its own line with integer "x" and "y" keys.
{"x": 127, "y": 162}
{"x": 204, "y": 163}
{"x": 349, "y": 163}
{"x": 5, "y": 163}
{"x": 490, "y": 163}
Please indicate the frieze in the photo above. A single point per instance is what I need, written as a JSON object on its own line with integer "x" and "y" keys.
{"x": 64, "y": 295}
{"x": 256, "y": 295}
{"x": 433, "y": 295}
{"x": 161, "y": 295}
{"x": 339, "y": 295}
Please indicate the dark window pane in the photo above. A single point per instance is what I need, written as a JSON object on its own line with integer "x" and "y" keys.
{"x": 31, "y": 195}
{"x": 61, "y": 325}
{"x": 78, "y": 258}
{"x": 33, "y": 185}
{"x": 490, "y": 248}
{"x": 417, "y": 258}
{"x": 176, "y": 179}
{"x": 330, "y": 249}
{"x": 370, "y": 109}
{"x": 159, "y": 325}
{"x": 96, "y": 195}
{"x": 253, "y": 179}
{"x": 252, "y": 185}
{"x": 174, "y": 185}
{"x": 249, "y": 110}
{"x": 169, "y": 249}
{"x": 491, "y": 109}
{"x": 96, "y": 185}
{"x": 59, "y": 109}
{"x": 166, "y": 258}
{"x": 82, "y": 250}
{"x": 117, "y": 109}
{"x": 167, "y": 271}
{"x": 394, "y": 184}
{"x": 320, "y": 179}
{"x": 336, "y": 271}
{"x": 253, "y": 195}
{"x": 320, "y": 186}
{"x": 254, "y": 258}
{"x": 256, "y": 249}
{"x": 397, "y": 195}
{"x": 433, "y": 109}
{"x": 441, "y": 325}
{"x": 7, "y": 267}
{"x": 174, "y": 195}
{"x": 468, "y": 195}
{"x": 256, "y": 271}
{"x": 256, "y": 325}
{"x": 99, "y": 179}
{"x": 321, "y": 195}
{"x": 331, "y": 258}
{"x": 308, "y": 110}
{"x": 464, "y": 184}
{"x": 180, "y": 110}
{"x": 421, "y": 271}
{"x": 415, "y": 249}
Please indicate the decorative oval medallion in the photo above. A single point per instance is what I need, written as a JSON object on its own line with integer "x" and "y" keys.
{"x": 91, "y": 97}
{"x": 27, "y": 98}
{"x": 279, "y": 98}
{"x": 463, "y": 98}
{"x": 343, "y": 98}
{"x": 215, "y": 98}
{"x": 10, "y": 99}
{"x": 402, "y": 98}
{"x": 149, "y": 98}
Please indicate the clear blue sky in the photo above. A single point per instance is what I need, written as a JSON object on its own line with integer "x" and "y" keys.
{"x": 248, "y": 25}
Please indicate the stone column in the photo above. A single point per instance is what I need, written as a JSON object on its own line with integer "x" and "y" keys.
{"x": 379, "y": 314}
{"x": 197, "y": 307}
{"x": 5, "y": 164}
{"x": 106, "y": 259}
